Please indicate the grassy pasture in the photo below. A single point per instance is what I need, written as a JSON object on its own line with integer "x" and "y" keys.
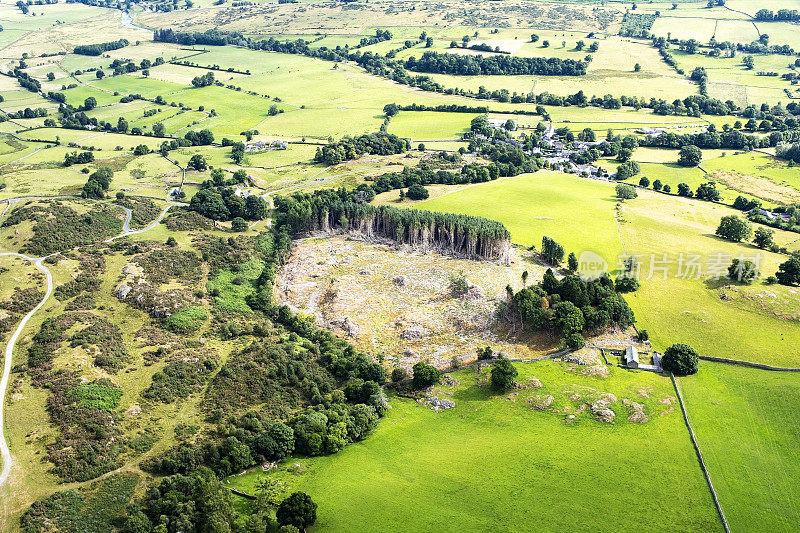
{"x": 563, "y": 207}
{"x": 512, "y": 450}
{"x": 430, "y": 126}
{"x": 548, "y": 203}
{"x": 745, "y": 423}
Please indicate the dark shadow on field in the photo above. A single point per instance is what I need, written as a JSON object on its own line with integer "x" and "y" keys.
{"x": 718, "y": 283}
{"x": 748, "y": 245}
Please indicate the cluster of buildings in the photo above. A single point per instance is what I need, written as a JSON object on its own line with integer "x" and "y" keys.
{"x": 259, "y": 146}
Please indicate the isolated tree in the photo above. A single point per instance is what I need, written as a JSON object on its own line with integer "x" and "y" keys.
{"x": 789, "y": 272}
{"x": 680, "y": 359}
{"x": 90, "y": 103}
{"x": 425, "y": 375}
{"x": 503, "y": 375}
{"x": 99, "y": 74}
{"x": 637, "y": 67}
{"x": 734, "y": 228}
{"x": 572, "y": 262}
{"x": 667, "y": 189}
{"x": 690, "y": 156}
{"x": 743, "y": 271}
{"x": 298, "y": 510}
{"x": 748, "y": 62}
{"x": 417, "y": 192}
{"x": 763, "y": 238}
{"x": 626, "y": 192}
{"x": 708, "y": 191}
{"x": 657, "y": 185}
{"x": 534, "y": 38}
{"x": 628, "y": 169}
{"x": 644, "y": 182}
{"x": 198, "y": 163}
{"x": 685, "y": 190}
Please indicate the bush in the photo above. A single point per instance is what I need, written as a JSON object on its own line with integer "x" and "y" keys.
{"x": 742, "y": 271}
{"x": 680, "y": 359}
{"x": 417, "y": 192}
{"x": 574, "y": 341}
{"x": 399, "y": 374}
{"x": 626, "y": 284}
{"x": 789, "y": 272}
{"x": 503, "y": 375}
{"x": 297, "y": 510}
{"x": 239, "y": 224}
{"x": 425, "y": 375}
{"x": 187, "y": 320}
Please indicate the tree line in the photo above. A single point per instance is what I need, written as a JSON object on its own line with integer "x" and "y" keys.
{"x": 340, "y": 210}
{"x": 99, "y": 48}
{"x": 474, "y": 65}
{"x": 349, "y": 148}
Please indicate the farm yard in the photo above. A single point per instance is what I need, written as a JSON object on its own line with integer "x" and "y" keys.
{"x": 370, "y": 266}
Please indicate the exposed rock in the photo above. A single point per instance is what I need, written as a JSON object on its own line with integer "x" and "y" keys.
{"x": 449, "y": 380}
{"x": 601, "y": 411}
{"x": 400, "y": 281}
{"x": 414, "y": 333}
{"x": 433, "y": 402}
{"x": 122, "y": 291}
{"x": 473, "y": 293}
{"x": 636, "y": 412}
{"x": 596, "y": 370}
{"x": 669, "y": 400}
{"x": 349, "y": 327}
{"x": 581, "y": 357}
{"x": 541, "y": 403}
{"x": 532, "y": 383}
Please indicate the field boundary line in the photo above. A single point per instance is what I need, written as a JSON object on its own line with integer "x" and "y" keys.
{"x": 748, "y": 364}
{"x": 699, "y": 454}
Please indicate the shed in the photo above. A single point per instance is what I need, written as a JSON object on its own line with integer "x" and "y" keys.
{"x": 631, "y": 357}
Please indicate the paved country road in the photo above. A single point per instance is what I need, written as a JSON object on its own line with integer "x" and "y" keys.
{"x": 4, "y": 451}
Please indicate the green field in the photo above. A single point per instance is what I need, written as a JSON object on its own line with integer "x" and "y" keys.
{"x": 494, "y": 462}
{"x": 744, "y": 420}
{"x": 563, "y": 207}
{"x": 488, "y": 447}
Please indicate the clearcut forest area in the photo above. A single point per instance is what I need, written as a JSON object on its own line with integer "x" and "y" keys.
{"x": 383, "y": 266}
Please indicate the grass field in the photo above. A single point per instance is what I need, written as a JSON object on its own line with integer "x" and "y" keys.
{"x": 580, "y": 214}
{"x": 471, "y": 458}
{"x": 492, "y": 463}
{"x": 745, "y": 423}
